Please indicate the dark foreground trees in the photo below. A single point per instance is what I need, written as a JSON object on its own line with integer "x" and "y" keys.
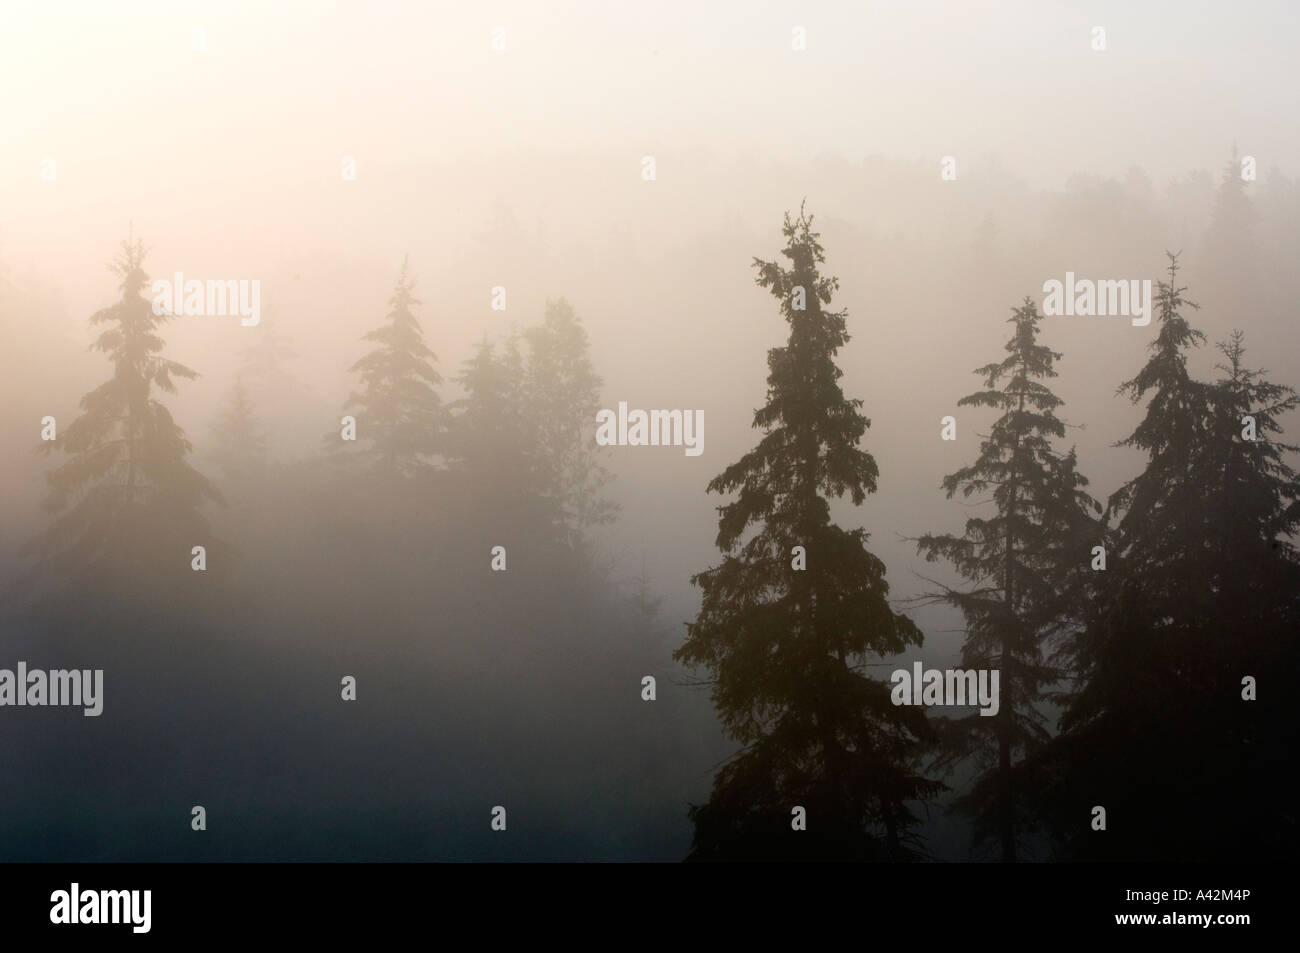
{"x": 1179, "y": 726}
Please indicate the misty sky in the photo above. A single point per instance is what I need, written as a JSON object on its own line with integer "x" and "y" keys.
{"x": 121, "y": 96}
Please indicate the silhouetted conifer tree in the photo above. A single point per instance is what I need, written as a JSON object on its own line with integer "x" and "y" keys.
{"x": 399, "y": 412}
{"x": 1023, "y": 560}
{"x": 1255, "y": 510}
{"x": 127, "y": 501}
{"x": 786, "y": 648}
{"x": 1201, "y": 591}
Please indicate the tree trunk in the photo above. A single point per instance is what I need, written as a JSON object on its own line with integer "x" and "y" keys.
{"x": 1006, "y": 815}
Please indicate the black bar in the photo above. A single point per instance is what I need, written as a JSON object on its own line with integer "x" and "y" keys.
{"x": 626, "y": 903}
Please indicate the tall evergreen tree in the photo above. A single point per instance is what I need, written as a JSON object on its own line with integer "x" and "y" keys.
{"x": 398, "y": 410}
{"x": 1023, "y": 562}
{"x": 1200, "y": 592}
{"x": 786, "y": 647}
{"x": 1255, "y": 511}
{"x": 562, "y": 393}
{"x": 1127, "y": 658}
{"x": 127, "y": 501}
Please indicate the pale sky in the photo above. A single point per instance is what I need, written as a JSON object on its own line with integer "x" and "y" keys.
{"x": 115, "y": 89}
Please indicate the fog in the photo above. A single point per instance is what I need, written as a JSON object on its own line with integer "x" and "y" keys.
{"x": 225, "y": 137}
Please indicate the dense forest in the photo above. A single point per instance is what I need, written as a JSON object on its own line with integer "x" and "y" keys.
{"x": 352, "y": 616}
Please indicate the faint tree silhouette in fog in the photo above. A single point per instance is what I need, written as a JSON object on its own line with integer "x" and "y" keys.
{"x": 524, "y": 460}
{"x": 263, "y": 363}
{"x": 274, "y": 391}
{"x": 562, "y": 394}
{"x": 126, "y": 499}
{"x": 787, "y": 648}
{"x": 1232, "y": 243}
{"x": 240, "y": 440}
{"x": 493, "y": 446}
{"x": 399, "y": 413}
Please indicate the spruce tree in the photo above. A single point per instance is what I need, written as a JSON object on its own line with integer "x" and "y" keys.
{"x": 399, "y": 412}
{"x": 1254, "y": 512}
{"x": 787, "y": 648}
{"x": 1022, "y": 561}
{"x": 562, "y": 395}
{"x": 1200, "y": 592}
{"x": 127, "y": 501}
{"x": 1130, "y": 653}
